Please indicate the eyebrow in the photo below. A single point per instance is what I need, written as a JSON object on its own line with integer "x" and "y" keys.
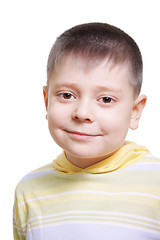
{"x": 72, "y": 85}
{"x": 105, "y": 88}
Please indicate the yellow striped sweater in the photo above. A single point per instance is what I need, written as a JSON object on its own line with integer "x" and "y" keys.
{"x": 114, "y": 199}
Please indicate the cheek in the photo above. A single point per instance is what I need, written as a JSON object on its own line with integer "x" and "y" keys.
{"x": 54, "y": 116}
{"x": 57, "y": 116}
{"x": 115, "y": 121}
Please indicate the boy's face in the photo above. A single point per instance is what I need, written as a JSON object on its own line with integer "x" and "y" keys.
{"x": 89, "y": 112}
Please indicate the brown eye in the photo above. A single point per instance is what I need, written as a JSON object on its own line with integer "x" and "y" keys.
{"x": 106, "y": 99}
{"x": 67, "y": 96}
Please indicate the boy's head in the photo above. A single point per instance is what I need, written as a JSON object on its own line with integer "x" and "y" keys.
{"x": 93, "y": 43}
{"x": 94, "y": 79}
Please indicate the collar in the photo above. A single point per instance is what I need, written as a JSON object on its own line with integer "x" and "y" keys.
{"x": 128, "y": 154}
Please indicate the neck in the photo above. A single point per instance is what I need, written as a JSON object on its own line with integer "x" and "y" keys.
{"x": 87, "y": 162}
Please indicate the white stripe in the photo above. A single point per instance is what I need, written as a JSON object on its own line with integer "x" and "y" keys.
{"x": 151, "y": 156}
{"x": 98, "y": 223}
{"x": 34, "y": 175}
{"x": 90, "y": 192}
{"x": 152, "y": 166}
{"x": 20, "y": 230}
{"x": 14, "y": 219}
{"x": 95, "y": 217}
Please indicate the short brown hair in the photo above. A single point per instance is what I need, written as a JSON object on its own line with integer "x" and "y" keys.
{"x": 94, "y": 42}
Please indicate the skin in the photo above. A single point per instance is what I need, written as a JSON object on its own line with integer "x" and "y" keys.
{"x": 89, "y": 112}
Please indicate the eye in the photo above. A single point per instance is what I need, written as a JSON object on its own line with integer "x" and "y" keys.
{"x": 66, "y": 96}
{"x": 106, "y": 100}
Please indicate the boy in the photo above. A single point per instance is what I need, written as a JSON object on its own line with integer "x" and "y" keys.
{"x": 100, "y": 187}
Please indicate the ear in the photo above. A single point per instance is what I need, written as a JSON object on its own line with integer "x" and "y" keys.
{"x": 137, "y": 110}
{"x": 45, "y": 94}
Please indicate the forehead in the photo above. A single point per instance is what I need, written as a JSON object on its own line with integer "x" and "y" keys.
{"x": 73, "y": 71}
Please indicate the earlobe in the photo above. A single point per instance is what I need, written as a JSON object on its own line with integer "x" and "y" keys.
{"x": 45, "y": 94}
{"x": 137, "y": 111}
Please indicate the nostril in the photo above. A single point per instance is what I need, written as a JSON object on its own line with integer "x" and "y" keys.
{"x": 88, "y": 120}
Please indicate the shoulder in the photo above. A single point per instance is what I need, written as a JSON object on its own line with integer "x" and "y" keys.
{"x": 146, "y": 171}
{"x": 35, "y": 178}
{"x": 147, "y": 163}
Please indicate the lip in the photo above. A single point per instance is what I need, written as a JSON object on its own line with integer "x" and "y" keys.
{"x": 81, "y": 135}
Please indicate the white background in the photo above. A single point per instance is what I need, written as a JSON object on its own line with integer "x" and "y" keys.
{"x": 27, "y": 32}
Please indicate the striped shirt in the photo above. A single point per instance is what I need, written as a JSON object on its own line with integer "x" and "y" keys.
{"x": 122, "y": 204}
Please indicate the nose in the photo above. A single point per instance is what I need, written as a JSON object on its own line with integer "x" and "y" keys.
{"x": 83, "y": 112}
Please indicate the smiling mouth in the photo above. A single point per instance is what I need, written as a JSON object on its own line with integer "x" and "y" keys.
{"x": 81, "y": 135}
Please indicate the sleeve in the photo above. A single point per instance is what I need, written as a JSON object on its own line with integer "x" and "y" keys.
{"x": 18, "y": 231}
